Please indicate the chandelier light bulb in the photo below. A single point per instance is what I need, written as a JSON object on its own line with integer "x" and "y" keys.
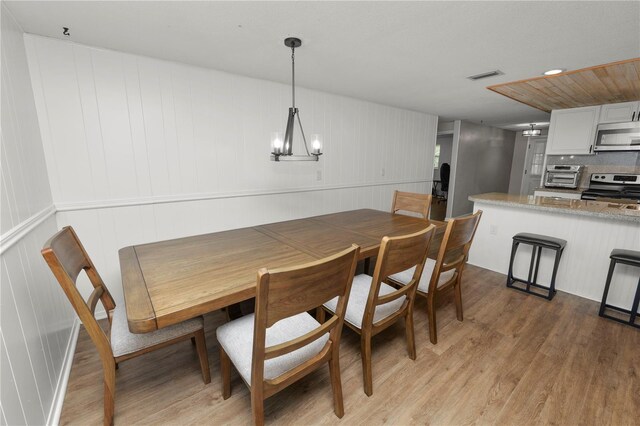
{"x": 316, "y": 144}
{"x": 276, "y": 143}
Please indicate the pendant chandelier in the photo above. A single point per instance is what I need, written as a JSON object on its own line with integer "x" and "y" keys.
{"x": 531, "y": 132}
{"x": 282, "y": 148}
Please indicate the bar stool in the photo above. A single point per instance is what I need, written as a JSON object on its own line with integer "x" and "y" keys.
{"x": 628, "y": 257}
{"x": 538, "y": 242}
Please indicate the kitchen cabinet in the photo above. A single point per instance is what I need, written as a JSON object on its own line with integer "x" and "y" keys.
{"x": 572, "y": 131}
{"x": 620, "y": 112}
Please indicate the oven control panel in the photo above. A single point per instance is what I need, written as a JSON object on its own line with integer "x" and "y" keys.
{"x": 625, "y": 179}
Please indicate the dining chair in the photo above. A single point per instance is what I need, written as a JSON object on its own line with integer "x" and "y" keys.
{"x": 411, "y": 202}
{"x": 445, "y": 272}
{"x": 66, "y": 256}
{"x": 281, "y": 343}
{"x": 374, "y": 305}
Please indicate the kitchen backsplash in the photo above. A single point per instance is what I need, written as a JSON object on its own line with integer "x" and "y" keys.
{"x": 604, "y": 162}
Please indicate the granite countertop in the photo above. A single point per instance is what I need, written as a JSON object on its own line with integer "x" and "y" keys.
{"x": 607, "y": 210}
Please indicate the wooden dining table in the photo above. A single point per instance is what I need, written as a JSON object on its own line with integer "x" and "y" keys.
{"x": 170, "y": 281}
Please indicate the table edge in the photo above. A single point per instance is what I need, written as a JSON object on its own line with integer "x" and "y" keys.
{"x": 136, "y": 289}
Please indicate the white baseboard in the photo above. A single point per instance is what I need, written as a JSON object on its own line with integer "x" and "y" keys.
{"x": 63, "y": 379}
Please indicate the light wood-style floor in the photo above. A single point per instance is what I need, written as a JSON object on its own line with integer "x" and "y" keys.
{"x": 515, "y": 360}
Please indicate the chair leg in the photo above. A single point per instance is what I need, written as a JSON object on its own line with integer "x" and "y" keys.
{"x": 411, "y": 341}
{"x": 365, "y": 349}
{"x": 257, "y": 405}
{"x": 225, "y": 367}
{"x": 457, "y": 289}
{"x": 201, "y": 347}
{"x": 431, "y": 312}
{"x": 109, "y": 393}
{"x": 336, "y": 383}
{"x": 320, "y": 314}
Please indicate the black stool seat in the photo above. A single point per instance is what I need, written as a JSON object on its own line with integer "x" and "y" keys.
{"x": 542, "y": 240}
{"x": 627, "y": 256}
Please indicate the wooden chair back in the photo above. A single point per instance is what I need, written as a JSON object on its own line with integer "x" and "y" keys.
{"x": 411, "y": 202}
{"x": 66, "y": 256}
{"x": 398, "y": 254}
{"x": 455, "y": 246}
{"x": 282, "y": 293}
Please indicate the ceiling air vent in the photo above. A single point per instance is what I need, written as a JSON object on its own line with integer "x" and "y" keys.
{"x": 485, "y": 75}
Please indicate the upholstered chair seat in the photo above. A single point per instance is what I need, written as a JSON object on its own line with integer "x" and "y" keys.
{"x": 124, "y": 342}
{"x": 404, "y": 277}
{"x": 358, "y": 301}
{"x": 236, "y": 338}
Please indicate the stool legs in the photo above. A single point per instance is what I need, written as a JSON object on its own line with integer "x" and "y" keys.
{"x": 534, "y": 266}
{"x": 636, "y": 302}
{"x": 556, "y": 263}
{"x": 537, "y": 267}
{"x": 529, "y": 276}
{"x": 603, "y": 304}
{"x": 633, "y": 313}
{"x": 514, "y": 248}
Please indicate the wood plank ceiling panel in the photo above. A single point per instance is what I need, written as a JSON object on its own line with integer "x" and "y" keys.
{"x": 601, "y": 84}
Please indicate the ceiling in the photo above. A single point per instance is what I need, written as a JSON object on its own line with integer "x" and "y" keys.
{"x": 413, "y": 55}
{"x": 602, "y": 84}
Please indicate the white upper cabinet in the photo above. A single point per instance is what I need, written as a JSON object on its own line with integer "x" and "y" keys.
{"x": 572, "y": 131}
{"x": 619, "y": 113}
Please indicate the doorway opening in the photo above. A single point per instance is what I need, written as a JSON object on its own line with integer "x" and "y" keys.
{"x": 441, "y": 175}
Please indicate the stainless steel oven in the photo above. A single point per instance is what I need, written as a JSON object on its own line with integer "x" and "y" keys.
{"x": 562, "y": 176}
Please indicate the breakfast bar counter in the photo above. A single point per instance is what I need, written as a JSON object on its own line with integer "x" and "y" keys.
{"x": 600, "y": 209}
{"x": 591, "y": 228}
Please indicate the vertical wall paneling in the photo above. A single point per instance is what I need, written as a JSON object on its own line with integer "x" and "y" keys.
{"x": 130, "y": 128}
{"x": 35, "y": 319}
{"x": 141, "y": 149}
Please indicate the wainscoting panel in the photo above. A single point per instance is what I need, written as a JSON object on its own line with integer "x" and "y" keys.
{"x": 36, "y": 324}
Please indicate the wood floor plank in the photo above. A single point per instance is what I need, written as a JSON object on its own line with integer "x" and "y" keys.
{"x": 515, "y": 359}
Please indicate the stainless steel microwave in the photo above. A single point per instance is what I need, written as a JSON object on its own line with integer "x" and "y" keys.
{"x": 618, "y": 137}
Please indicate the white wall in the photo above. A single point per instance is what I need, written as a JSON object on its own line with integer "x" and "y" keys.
{"x": 140, "y": 149}
{"x": 35, "y": 318}
{"x": 482, "y": 164}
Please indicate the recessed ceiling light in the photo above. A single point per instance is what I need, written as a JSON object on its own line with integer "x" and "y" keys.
{"x": 554, "y": 71}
